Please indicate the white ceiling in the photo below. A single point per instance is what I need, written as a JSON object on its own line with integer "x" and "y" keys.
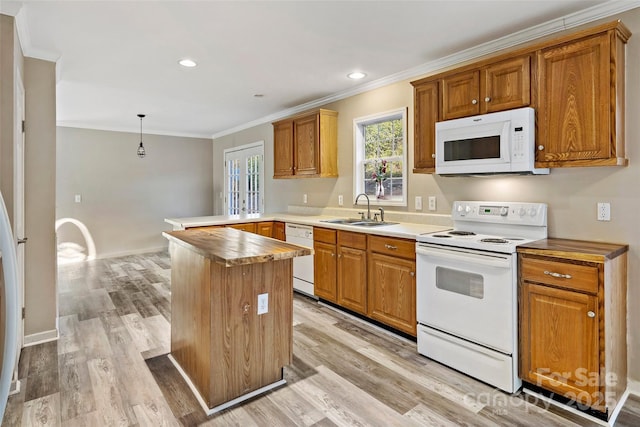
{"x": 119, "y": 58}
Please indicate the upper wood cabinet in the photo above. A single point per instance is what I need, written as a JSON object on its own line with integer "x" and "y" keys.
{"x": 498, "y": 86}
{"x": 575, "y": 82}
{"x": 426, "y": 106}
{"x": 306, "y": 145}
{"x": 581, "y": 109}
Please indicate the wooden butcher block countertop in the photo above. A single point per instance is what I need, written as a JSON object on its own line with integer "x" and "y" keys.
{"x": 232, "y": 247}
{"x": 574, "y": 249}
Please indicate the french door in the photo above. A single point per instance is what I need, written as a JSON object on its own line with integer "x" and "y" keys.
{"x": 244, "y": 179}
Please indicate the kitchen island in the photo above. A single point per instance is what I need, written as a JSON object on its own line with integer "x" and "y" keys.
{"x": 231, "y": 312}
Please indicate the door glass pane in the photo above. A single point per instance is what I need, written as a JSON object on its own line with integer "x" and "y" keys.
{"x": 460, "y": 282}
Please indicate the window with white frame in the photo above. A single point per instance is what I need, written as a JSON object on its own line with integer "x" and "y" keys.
{"x": 244, "y": 178}
{"x": 380, "y": 158}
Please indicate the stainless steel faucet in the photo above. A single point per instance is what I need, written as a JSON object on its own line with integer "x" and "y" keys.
{"x": 368, "y": 204}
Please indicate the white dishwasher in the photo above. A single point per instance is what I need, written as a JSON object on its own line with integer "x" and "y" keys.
{"x": 303, "y": 265}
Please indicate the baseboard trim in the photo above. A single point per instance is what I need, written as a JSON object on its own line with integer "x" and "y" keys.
{"x": 239, "y": 399}
{"x": 633, "y": 387}
{"x": 40, "y": 338}
{"x": 132, "y": 252}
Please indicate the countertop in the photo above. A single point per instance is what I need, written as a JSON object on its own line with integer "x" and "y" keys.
{"x": 582, "y": 250}
{"x": 232, "y": 247}
{"x": 407, "y": 230}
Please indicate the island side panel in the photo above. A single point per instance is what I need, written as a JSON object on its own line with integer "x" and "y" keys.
{"x": 190, "y": 317}
{"x": 249, "y": 350}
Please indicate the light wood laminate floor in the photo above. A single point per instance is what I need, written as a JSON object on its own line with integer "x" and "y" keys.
{"x": 109, "y": 367}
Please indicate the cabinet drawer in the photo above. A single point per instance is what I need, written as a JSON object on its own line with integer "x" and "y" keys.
{"x": 571, "y": 276}
{"x": 391, "y": 246}
{"x": 352, "y": 240}
{"x": 324, "y": 235}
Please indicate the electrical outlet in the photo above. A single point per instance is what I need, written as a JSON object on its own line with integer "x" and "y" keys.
{"x": 604, "y": 211}
{"x": 305, "y": 199}
{"x": 263, "y": 303}
{"x": 432, "y": 203}
{"x": 418, "y": 203}
{"x": 340, "y": 200}
{"x": 78, "y": 198}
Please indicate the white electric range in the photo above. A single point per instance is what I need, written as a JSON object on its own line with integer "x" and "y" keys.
{"x": 466, "y": 296}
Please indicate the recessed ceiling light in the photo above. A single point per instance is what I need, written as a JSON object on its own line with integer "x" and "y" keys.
{"x": 189, "y": 63}
{"x": 356, "y": 75}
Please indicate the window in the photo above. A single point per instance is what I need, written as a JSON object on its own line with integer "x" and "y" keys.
{"x": 380, "y": 157}
{"x": 244, "y": 179}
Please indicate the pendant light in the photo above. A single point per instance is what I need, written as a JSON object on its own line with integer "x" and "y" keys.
{"x": 141, "y": 152}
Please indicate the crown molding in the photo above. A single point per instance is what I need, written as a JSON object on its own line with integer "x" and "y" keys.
{"x": 586, "y": 16}
{"x": 84, "y": 125}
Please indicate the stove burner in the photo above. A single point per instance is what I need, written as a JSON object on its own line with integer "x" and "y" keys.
{"x": 441, "y": 235}
{"x": 491, "y": 240}
{"x": 462, "y": 233}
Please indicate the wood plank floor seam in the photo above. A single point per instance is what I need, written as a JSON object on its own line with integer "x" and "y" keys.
{"x": 110, "y": 367}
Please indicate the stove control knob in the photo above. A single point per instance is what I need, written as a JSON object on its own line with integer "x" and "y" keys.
{"x": 504, "y": 211}
{"x": 522, "y": 211}
{"x": 533, "y": 212}
{"x": 467, "y": 209}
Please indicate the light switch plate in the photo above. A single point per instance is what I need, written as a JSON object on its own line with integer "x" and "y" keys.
{"x": 604, "y": 211}
{"x": 305, "y": 199}
{"x": 432, "y": 203}
{"x": 78, "y": 198}
{"x": 418, "y": 203}
{"x": 340, "y": 200}
{"x": 263, "y": 303}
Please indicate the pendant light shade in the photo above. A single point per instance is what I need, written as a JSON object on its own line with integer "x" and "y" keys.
{"x": 141, "y": 152}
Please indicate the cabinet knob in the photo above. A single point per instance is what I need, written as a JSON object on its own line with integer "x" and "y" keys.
{"x": 474, "y": 101}
{"x": 339, "y": 255}
{"x": 540, "y": 147}
{"x": 332, "y": 254}
{"x": 412, "y": 274}
{"x": 433, "y": 156}
{"x": 591, "y": 314}
{"x": 487, "y": 99}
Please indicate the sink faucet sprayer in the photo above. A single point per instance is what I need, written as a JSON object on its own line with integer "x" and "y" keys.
{"x": 368, "y": 204}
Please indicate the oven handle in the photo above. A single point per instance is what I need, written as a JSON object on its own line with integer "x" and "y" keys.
{"x": 484, "y": 259}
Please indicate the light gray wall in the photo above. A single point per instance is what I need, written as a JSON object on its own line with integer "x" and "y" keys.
{"x": 40, "y": 174}
{"x": 571, "y": 193}
{"x": 125, "y": 199}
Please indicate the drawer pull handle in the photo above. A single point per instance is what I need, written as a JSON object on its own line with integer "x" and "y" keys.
{"x": 591, "y": 314}
{"x": 393, "y": 248}
{"x": 560, "y": 275}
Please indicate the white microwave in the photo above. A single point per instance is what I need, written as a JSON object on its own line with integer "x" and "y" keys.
{"x": 495, "y": 143}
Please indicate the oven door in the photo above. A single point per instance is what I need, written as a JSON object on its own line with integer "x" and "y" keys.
{"x": 468, "y": 293}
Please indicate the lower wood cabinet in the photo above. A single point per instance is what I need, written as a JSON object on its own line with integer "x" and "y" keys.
{"x": 352, "y": 271}
{"x": 325, "y": 264}
{"x": 273, "y": 229}
{"x": 278, "y": 231}
{"x": 392, "y": 282}
{"x": 572, "y": 307}
{"x": 264, "y": 228}
{"x": 370, "y": 275}
{"x": 249, "y": 227}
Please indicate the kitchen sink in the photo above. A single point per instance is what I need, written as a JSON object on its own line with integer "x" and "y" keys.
{"x": 342, "y": 220}
{"x": 372, "y": 223}
{"x": 358, "y": 222}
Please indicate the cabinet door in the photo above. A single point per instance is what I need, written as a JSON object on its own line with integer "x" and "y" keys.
{"x": 392, "y": 292}
{"x": 306, "y": 140}
{"x": 425, "y": 100}
{"x": 278, "y": 231}
{"x": 507, "y": 84}
{"x": 460, "y": 95}
{"x": 265, "y": 228}
{"x": 575, "y": 97}
{"x": 324, "y": 271}
{"x": 352, "y": 279}
{"x": 283, "y": 148}
{"x": 560, "y": 342}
